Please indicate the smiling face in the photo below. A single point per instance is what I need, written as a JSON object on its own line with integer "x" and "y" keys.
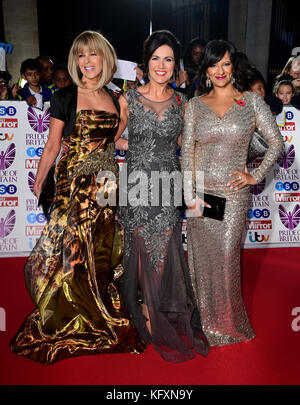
{"x": 285, "y": 93}
{"x": 221, "y": 72}
{"x": 161, "y": 64}
{"x": 90, "y": 64}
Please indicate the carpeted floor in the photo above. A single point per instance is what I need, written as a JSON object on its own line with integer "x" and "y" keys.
{"x": 271, "y": 287}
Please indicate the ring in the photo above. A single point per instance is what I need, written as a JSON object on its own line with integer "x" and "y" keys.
{"x": 240, "y": 177}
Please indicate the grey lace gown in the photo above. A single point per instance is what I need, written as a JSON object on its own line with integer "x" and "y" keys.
{"x": 156, "y": 272}
{"x": 217, "y": 146}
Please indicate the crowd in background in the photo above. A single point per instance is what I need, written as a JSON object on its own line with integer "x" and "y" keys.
{"x": 181, "y": 308}
{"x": 41, "y": 78}
{"x": 286, "y": 87}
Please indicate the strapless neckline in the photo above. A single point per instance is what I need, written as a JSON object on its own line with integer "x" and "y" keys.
{"x": 88, "y": 110}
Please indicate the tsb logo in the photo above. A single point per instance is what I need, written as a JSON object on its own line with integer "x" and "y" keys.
{"x": 287, "y": 186}
{"x": 32, "y": 152}
{"x": 33, "y": 218}
{"x": 289, "y": 115}
{"x": 7, "y": 110}
{"x": 10, "y": 189}
{"x": 121, "y": 153}
{"x": 257, "y": 213}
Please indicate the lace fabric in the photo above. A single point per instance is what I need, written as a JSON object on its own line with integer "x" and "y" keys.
{"x": 156, "y": 272}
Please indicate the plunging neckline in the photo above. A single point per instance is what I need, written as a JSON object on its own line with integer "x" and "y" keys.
{"x": 228, "y": 109}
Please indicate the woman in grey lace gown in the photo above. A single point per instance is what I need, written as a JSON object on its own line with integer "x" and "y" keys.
{"x": 218, "y": 129}
{"x": 157, "y": 288}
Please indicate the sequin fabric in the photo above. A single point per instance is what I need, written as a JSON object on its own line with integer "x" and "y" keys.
{"x": 217, "y": 146}
{"x": 74, "y": 271}
{"x": 155, "y": 269}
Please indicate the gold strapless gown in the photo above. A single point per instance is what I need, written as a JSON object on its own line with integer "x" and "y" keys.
{"x": 73, "y": 272}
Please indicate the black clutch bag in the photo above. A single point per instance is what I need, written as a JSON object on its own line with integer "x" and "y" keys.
{"x": 217, "y": 207}
{"x": 48, "y": 192}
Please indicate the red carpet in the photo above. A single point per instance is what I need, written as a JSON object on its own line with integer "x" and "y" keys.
{"x": 271, "y": 286}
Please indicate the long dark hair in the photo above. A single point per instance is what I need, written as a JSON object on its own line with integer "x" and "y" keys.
{"x": 213, "y": 52}
{"x": 157, "y": 39}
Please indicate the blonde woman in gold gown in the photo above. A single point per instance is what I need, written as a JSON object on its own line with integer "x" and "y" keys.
{"x": 218, "y": 129}
{"x": 72, "y": 273}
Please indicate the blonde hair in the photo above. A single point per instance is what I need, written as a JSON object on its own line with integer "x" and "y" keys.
{"x": 94, "y": 41}
{"x": 286, "y": 70}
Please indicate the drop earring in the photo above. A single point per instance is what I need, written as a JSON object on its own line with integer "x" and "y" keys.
{"x": 232, "y": 80}
{"x": 208, "y": 81}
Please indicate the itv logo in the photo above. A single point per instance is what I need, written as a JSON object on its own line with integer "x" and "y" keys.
{"x": 256, "y": 237}
{"x": 6, "y": 137}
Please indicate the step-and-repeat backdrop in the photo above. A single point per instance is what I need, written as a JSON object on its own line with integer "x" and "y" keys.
{"x": 273, "y": 216}
{"x": 23, "y": 134}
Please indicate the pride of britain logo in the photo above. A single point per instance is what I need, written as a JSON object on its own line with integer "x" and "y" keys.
{"x": 38, "y": 121}
{"x": 290, "y": 219}
{"x": 31, "y": 180}
{"x": 258, "y": 188}
{"x": 286, "y": 159}
{"x": 7, "y": 224}
{"x": 7, "y": 157}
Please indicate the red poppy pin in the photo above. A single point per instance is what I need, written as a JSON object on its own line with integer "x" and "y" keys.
{"x": 240, "y": 102}
{"x": 178, "y": 99}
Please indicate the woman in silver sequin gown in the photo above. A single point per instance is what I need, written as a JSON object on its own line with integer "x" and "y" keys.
{"x": 217, "y": 132}
{"x": 156, "y": 287}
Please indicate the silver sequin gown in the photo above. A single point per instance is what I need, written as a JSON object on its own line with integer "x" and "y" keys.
{"x": 156, "y": 272}
{"x": 217, "y": 146}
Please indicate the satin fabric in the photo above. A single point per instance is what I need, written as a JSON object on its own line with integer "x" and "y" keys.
{"x": 73, "y": 273}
